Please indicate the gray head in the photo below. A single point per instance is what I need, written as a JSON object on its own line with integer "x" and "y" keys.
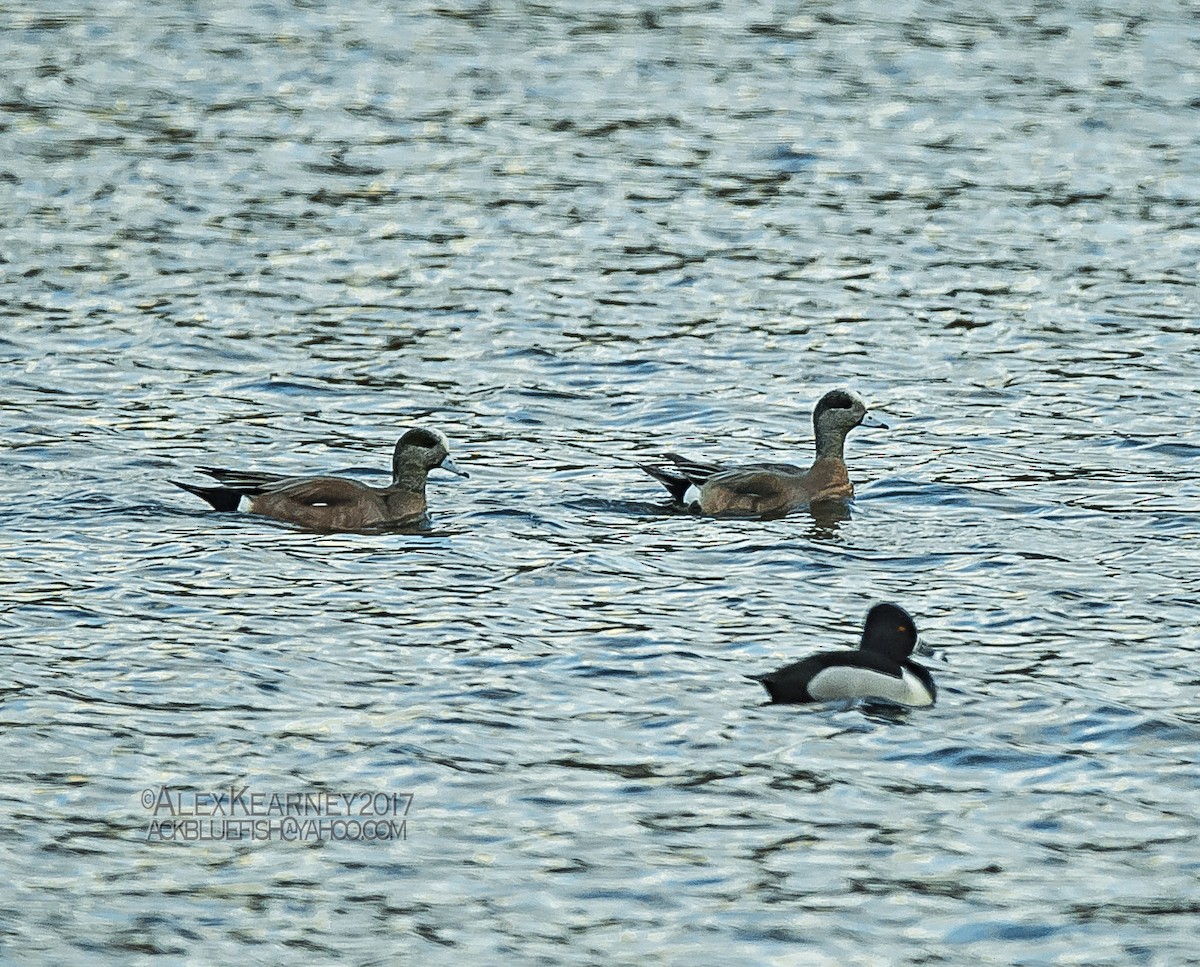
{"x": 837, "y": 413}
{"x": 419, "y": 451}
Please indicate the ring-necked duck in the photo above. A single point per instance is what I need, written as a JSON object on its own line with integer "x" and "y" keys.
{"x": 336, "y": 503}
{"x": 880, "y": 668}
{"x": 772, "y": 488}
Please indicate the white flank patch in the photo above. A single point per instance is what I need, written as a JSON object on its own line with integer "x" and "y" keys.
{"x": 244, "y": 503}
{"x": 691, "y": 496}
{"x": 846, "y": 681}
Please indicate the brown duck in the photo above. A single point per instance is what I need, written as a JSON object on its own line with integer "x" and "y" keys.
{"x": 770, "y": 489}
{"x": 335, "y": 503}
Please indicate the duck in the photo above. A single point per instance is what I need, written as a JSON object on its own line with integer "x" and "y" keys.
{"x": 772, "y": 489}
{"x": 879, "y": 669}
{"x": 335, "y": 503}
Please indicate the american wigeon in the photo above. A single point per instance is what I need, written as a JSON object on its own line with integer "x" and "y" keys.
{"x": 879, "y": 669}
{"x": 336, "y": 503}
{"x": 772, "y": 488}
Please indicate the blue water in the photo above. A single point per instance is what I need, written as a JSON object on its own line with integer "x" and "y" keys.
{"x": 573, "y": 237}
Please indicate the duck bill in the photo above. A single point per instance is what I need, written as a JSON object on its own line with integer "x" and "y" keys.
{"x": 870, "y": 421}
{"x": 450, "y": 465}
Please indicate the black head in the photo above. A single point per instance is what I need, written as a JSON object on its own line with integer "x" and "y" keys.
{"x": 889, "y": 631}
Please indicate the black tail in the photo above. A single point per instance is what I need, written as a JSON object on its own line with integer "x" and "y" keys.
{"x": 680, "y": 473}
{"x": 676, "y": 484}
{"x": 221, "y": 498}
{"x": 768, "y": 682}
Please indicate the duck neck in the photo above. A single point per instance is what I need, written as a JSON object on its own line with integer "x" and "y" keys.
{"x": 408, "y": 477}
{"x": 831, "y": 443}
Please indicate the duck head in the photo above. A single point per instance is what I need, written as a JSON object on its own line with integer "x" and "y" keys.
{"x": 837, "y": 413}
{"x": 419, "y": 451}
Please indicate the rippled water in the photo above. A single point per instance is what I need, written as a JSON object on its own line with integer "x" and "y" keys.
{"x": 573, "y": 236}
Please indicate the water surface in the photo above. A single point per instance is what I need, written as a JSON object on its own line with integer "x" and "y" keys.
{"x": 572, "y": 237}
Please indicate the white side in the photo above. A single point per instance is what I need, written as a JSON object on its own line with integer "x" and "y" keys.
{"x": 847, "y": 681}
